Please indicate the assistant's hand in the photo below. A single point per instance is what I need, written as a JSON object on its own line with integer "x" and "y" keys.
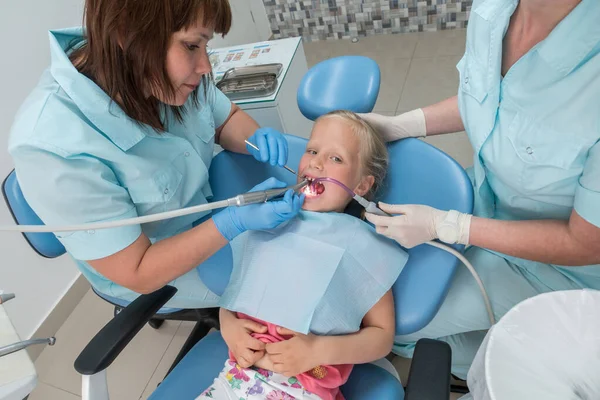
{"x": 293, "y": 356}
{"x": 237, "y": 335}
{"x": 272, "y": 144}
{"x": 409, "y": 124}
{"x": 418, "y": 224}
{"x": 232, "y": 221}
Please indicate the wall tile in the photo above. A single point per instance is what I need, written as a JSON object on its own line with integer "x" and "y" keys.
{"x": 342, "y": 19}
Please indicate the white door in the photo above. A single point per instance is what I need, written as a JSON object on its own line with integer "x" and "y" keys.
{"x": 247, "y": 16}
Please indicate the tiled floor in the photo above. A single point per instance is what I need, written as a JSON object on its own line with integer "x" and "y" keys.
{"x": 417, "y": 70}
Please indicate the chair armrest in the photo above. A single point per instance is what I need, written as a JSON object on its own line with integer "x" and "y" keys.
{"x": 429, "y": 377}
{"x": 104, "y": 348}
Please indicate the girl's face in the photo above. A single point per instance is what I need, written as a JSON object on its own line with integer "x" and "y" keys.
{"x": 187, "y": 61}
{"x": 333, "y": 151}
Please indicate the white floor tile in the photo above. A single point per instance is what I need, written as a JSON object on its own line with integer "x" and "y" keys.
{"x": 441, "y": 43}
{"x": 47, "y": 392}
{"x": 456, "y": 396}
{"x": 127, "y": 376}
{"x": 402, "y": 365}
{"x": 429, "y": 81}
{"x": 456, "y": 145}
{"x": 168, "y": 357}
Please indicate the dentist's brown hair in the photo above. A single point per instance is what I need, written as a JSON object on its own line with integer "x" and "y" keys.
{"x": 125, "y": 49}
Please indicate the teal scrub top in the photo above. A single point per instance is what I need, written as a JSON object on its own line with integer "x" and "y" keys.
{"x": 79, "y": 158}
{"x": 536, "y": 131}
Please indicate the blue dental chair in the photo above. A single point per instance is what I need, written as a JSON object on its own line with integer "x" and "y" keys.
{"x": 419, "y": 173}
{"x": 438, "y": 181}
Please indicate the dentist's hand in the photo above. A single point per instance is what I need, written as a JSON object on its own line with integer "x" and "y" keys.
{"x": 233, "y": 221}
{"x": 272, "y": 144}
{"x": 418, "y": 224}
{"x": 409, "y": 124}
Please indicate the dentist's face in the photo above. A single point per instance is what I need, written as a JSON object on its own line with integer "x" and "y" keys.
{"x": 187, "y": 61}
{"x": 333, "y": 151}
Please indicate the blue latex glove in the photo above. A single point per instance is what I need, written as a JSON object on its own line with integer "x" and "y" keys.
{"x": 272, "y": 144}
{"x": 233, "y": 221}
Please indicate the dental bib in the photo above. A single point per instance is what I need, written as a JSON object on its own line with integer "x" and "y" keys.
{"x": 319, "y": 273}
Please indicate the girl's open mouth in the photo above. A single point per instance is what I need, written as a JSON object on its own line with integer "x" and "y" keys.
{"x": 313, "y": 189}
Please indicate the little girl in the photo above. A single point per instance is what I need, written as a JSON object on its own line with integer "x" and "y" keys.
{"x": 343, "y": 147}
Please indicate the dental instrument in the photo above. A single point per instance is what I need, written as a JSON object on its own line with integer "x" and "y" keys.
{"x": 371, "y": 207}
{"x": 257, "y": 149}
{"x": 244, "y": 199}
{"x": 11, "y": 348}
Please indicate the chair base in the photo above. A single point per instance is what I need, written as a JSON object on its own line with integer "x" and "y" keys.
{"x": 205, "y": 318}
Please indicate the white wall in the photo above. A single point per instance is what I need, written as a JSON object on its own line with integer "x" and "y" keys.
{"x": 38, "y": 283}
{"x": 250, "y": 24}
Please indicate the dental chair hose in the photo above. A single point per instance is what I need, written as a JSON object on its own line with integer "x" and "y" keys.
{"x": 259, "y": 196}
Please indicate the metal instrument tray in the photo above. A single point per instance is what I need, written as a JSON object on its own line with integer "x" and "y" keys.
{"x": 248, "y": 86}
{"x": 239, "y": 72}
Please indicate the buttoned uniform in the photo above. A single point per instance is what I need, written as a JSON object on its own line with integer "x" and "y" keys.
{"x": 79, "y": 158}
{"x": 535, "y": 134}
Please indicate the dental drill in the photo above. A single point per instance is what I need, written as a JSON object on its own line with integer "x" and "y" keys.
{"x": 371, "y": 207}
{"x": 12, "y": 348}
{"x": 240, "y": 200}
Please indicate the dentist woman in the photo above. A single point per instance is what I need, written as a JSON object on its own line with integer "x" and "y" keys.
{"x": 122, "y": 124}
{"x": 529, "y": 100}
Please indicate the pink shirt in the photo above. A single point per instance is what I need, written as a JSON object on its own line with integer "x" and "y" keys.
{"x": 324, "y": 380}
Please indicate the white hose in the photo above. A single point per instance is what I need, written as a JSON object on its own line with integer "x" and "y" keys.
{"x": 463, "y": 259}
{"x": 118, "y": 223}
{"x": 207, "y": 207}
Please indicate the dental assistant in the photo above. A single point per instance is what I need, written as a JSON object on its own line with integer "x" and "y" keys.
{"x": 529, "y": 100}
{"x": 122, "y": 124}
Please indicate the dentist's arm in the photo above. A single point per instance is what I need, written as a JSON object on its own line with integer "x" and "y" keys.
{"x": 238, "y": 127}
{"x": 574, "y": 242}
{"x": 145, "y": 267}
{"x": 436, "y": 119}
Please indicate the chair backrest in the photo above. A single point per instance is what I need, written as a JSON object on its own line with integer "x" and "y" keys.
{"x": 45, "y": 244}
{"x": 418, "y": 174}
{"x": 421, "y": 174}
{"x": 340, "y": 83}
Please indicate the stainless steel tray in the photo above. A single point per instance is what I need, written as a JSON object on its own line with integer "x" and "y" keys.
{"x": 248, "y": 86}
{"x": 250, "y": 70}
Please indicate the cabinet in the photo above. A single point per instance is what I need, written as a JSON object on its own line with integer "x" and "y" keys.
{"x": 280, "y": 110}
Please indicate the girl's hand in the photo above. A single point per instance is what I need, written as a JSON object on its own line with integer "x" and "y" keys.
{"x": 294, "y": 356}
{"x": 237, "y": 334}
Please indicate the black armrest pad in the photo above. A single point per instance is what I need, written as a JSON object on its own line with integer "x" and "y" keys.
{"x": 429, "y": 377}
{"x": 102, "y": 350}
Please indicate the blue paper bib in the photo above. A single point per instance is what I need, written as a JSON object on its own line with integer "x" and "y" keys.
{"x": 319, "y": 273}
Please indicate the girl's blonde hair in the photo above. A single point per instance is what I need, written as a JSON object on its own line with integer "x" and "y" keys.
{"x": 373, "y": 152}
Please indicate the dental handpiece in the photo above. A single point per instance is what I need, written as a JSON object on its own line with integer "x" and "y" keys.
{"x": 239, "y": 200}
{"x": 265, "y": 195}
{"x": 12, "y": 348}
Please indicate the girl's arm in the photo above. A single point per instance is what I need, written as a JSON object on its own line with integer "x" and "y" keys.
{"x": 302, "y": 353}
{"x": 372, "y": 342}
